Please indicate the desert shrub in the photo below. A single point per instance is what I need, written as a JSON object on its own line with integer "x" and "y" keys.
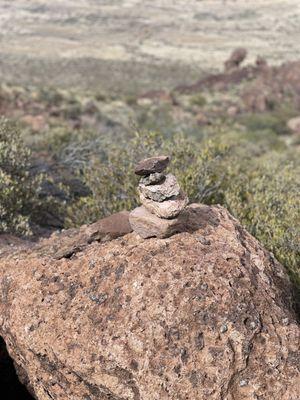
{"x": 72, "y": 111}
{"x": 113, "y": 183}
{"x": 198, "y": 100}
{"x": 264, "y": 196}
{"x": 50, "y": 96}
{"x": 268, "y": 121}
{"x": 17, "y": 187}
{"x": 20, "y": 201}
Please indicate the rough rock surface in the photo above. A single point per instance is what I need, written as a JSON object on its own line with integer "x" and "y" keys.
{"x": 168, "y": 208}
{"x": 70, "y": 242}
{"x": 203, "y": 315}
{"x": 152, "y": 165}
{"x": 163, "y": 191}
{"x": 153, "y": 179}
{"x": 147, "y": 225}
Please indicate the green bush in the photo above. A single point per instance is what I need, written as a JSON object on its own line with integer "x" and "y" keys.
{"x": 17, "y": 187}
{"x": 20, "y": 202}
{"x": 268, "y": 121}
{"x": 113, "y": 183}
{"x": 198, "y": 100}
{"x": 265, "y": 198}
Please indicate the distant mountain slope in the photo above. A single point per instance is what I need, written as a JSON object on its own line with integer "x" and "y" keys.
{"x": 157, "y": 42}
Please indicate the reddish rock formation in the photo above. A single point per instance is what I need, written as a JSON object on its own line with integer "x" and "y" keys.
{"x": 236, "y": 58}
{"x": 202, "y": 315}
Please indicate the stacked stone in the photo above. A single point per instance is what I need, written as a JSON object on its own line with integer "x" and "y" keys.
{"x": 161, "y": 197}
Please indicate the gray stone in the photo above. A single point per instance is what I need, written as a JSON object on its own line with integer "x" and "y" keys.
{"x": 146, "y": 224}
{"x": 152, "y": 179}
{"x": 169, "y": 188}
{"x": 150, "y": 165}
{"x": 168, "y": 208}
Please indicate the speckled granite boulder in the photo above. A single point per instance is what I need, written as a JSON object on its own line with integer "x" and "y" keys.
{"x": 202, "y": 315}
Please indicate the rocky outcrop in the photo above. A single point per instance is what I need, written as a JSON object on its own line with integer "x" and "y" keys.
{"x": 236, "y": 58}
{"x": 201, "y": 315}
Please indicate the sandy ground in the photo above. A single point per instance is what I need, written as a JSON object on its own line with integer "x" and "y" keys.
{"x": 97, "y": 40}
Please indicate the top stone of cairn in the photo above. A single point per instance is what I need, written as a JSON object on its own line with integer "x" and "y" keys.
{"x": 151, "y": 165}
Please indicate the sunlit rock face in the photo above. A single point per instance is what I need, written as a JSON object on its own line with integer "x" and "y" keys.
{"x": 201, "y": 315}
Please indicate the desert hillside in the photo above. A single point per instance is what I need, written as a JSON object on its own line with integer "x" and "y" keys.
{"x": 151, "y": 44}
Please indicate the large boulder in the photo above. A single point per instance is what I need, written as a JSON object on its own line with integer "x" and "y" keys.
{"x": 236, "y": 58}
{"x": 201, "y": 315}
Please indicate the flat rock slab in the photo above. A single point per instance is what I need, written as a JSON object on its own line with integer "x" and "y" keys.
{"x": 168, "y": 188}
{"x": 147, "y": 225}
{"x": 168, "y": 208}
{"x": 151, "y": 165}
{"x": 67, "y": 243}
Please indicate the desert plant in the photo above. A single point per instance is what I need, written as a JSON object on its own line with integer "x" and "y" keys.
{"x": 113, "y": 183}
{"x": 265, "y": 198}
{"x": 17, "y": 187}
{"x": 198, "y": 100}
{"x": 20, "y": 188}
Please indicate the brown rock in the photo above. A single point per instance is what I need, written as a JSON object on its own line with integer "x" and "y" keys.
{"x": 168, "y": 188}
{"x": 261, "y": 62}
{"x": 70, "y": 242}
{"x": 168, "y": 208}
{"x": 147, "y": 225}
{"x": 294, "y": 125}
{"x": 236, "y": 58}
{"x": 152, "y": 165}
{"x": 203, "y": 315}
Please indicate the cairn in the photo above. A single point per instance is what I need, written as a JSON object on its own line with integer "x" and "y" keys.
{"x": 162, "y": 200}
